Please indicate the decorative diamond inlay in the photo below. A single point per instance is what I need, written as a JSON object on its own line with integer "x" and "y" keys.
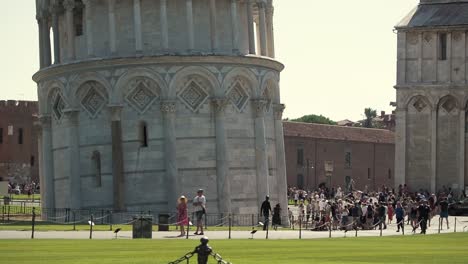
{"x": 58, "y": 107}
{"x": 93, "y": 102}
{"x": 193, "y": 95}
{"x": 238, "y": 96}
{"x": 449, "y": 105}
{"x": 419, "y": 105}
{"x": 141, "y": 97}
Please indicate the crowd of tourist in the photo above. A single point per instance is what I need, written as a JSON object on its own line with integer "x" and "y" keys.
{"x": 24, "y": 188}
{"x": 355, "y": 209}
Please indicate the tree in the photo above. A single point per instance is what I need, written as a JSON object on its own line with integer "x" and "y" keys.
{"x": 316, "y": 119}
{"x": 370, "y": 115}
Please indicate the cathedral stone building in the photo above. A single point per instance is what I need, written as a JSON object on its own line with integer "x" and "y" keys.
{"x": 142, "y": 101}
{"x": 432, "y": 94}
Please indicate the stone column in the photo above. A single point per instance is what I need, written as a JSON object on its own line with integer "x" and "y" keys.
{"x": 191, "y": 37}
{"x": 55, "y": 26}
{"x": 282, "y": 184}
{"x": 168, "y": 108}
{"x": 222, "y": 160}
{"x": 257, "y": 28}
{"x": 46, "y": 39}
{"x": 38, "y": 128}
{"x": 262, "y": 28}
{"x": 270, "y": 31}
{"x": 250, "y": 27}
{"x": 112, "y": 30}
{"x": 47, "y": 187}
{"x": 41, "y": 41}
{"x": 261, "y": 159}
{"x": 433, "y": 149}
{"x": 461, "y": 155}
{"x": 420, "y": 56}
{"x": 72, "y": 128}
{"x": 69, "y": 6}
{"x": 117, "y": 158}
{"x": 137, "y": 26}
{"x": 213, "y": 23}
{"x": 89, "y": 28}
{"x": 400, "y": 147}
{"x": 235, "y": 26}
{"x": 401, "y": 58}
{"x": 164, "y": 30}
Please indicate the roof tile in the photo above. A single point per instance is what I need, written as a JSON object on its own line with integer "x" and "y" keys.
{"x": 333, "y": 132}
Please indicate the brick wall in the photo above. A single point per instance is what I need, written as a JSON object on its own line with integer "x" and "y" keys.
{"x": 18, "y": 162}
{"x": 372, "y": 163}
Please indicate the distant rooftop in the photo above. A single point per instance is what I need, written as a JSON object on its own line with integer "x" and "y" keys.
{"x": 437, "y": 13}
{"x": 332, "y": 132}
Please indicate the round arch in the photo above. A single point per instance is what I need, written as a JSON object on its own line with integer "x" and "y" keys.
{"x": 247, "y": 75}
{"x": 77, "y": 83}
{"x": 122, "y": 84}
{"x": 188, "y": 73}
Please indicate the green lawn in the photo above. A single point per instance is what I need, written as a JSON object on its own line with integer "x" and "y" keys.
{"x": 451, "y": 248}
{"x": 37, "y": 197}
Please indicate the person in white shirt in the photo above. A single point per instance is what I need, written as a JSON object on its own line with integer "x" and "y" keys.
{"x": 200, "y": 209}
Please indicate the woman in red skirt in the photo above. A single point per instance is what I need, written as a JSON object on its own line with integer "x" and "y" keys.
{"x": 182, "y": 215}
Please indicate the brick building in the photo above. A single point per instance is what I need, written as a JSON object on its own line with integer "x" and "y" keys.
{"x": 18, "y": 141}
{"x": 337, "y": 156}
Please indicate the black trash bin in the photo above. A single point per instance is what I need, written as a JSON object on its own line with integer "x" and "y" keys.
{"x": 163, "y": 222}
{"x": 143, "y": 226}
{"x": 6, "y": 200}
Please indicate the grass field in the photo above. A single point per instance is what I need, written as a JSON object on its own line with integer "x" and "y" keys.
{"x": 37, "y": 197}
{"x": 452, "y": 248}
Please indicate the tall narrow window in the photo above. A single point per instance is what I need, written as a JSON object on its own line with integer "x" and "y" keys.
{"x": 300, "y": 181}
{"x": 32, "y": 161}
{"x": 348, "y": 159}
{"x": 78, "y": 19}
{"x": 1, "y": 135}
{"x": 368, "y": 174}
{"x": 389, "y": 173}
{"x": 442, "y": 46}
{"x": 96, "y": 159}
{"x": 300, "y": 156}
{"x": 20, "y": 136}
{"x": 143, "y": 135}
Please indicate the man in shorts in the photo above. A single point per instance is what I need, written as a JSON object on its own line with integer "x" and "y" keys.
{"x": 200, "y": 209}
{"x": 444, "y": 211}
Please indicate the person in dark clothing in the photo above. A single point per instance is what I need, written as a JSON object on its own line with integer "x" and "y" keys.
{"x": 444, "y": 211}
{"x": 423, "y": 212}
{"x": 400, "y": 217}
{"x": 381, "y": 212}
{"x": 266, "y": 210}
{"x": 276, "y": 216}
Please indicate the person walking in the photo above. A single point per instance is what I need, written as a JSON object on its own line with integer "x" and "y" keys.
{"x": 182, "y": 215}
{"x": 381, "y": 213}
{"x": 390, "y": 212}
{"x": 444, "y": 211}
{"x": 200, "y": 209}
{"x": 276, "y": 216}
{"x": 266, "y": 210}
{"x": 400, "y": 217}
{"x": 423, "y": 212}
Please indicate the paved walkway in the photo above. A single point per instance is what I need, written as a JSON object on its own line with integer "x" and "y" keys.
{"x": 462, "y": 226}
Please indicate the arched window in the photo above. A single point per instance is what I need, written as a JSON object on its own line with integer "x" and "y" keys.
{"x": 96, "y": 158}
{"x": 143, "y": 135}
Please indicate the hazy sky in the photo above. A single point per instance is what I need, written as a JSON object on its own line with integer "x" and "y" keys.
{"x": 340, "y": 56}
